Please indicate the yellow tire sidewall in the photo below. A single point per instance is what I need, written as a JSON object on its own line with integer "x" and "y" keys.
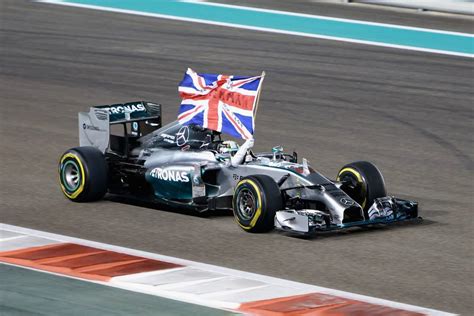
{"x": 359, "y": 179}
{"x": 258, "y": 212}
{"x": 74, "y": 195}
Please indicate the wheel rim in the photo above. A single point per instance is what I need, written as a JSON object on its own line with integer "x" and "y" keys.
{"x": 356, "y": 189}
{"x": 247, "y": 204}
{"x": 71, "y": 175}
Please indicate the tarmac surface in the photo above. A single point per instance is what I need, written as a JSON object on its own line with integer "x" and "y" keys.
{"x": 410, "y": 113}
{"x": 366, "y": 12}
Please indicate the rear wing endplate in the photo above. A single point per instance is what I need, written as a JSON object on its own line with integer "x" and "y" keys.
{"x": 94, "y": 126}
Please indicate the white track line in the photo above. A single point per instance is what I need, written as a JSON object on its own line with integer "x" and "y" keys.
{"x": 240, "y": 26}
{"x": 12, "y": 238}
{"x": 217, "y": 269}
{"x": 321, "y": 17}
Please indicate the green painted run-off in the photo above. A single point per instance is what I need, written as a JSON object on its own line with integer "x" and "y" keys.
{"x": 25, "y": 292}
{"x": 455, "y": 43}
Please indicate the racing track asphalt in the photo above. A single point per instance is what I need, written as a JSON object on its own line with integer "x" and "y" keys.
{"x": 409, "y": 112}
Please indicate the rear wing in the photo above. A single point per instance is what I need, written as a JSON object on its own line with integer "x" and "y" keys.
{"x": 138, "y": 119}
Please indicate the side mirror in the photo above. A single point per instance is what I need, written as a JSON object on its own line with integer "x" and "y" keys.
{"x": 276, "y": 150}
{"x": 295, "y": 157}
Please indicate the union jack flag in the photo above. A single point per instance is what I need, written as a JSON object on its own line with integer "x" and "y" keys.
{"x": 219, "y": 102}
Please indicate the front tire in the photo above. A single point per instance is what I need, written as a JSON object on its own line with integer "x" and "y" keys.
{"x": 363, "y": 182}
{"x": 255, "y": 202}
{"x": 83, "y": 174}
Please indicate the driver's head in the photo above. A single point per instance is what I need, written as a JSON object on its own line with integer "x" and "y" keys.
{"x": 228, "y": 147}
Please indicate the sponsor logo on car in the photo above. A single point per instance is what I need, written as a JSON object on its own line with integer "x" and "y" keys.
{"x": 168, "y": 138}
{"x": 236, "y": 177}
{"x": 92, "y": 127}
{"x": 170, "y": 175}
{"x": 182, "y": 136}
{"x": 129, "y": 108}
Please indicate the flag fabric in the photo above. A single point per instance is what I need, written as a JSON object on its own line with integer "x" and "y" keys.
{"x": 220, "y": 102}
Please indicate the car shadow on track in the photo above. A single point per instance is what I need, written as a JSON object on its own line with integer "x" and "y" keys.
{"x": 333, "y": 234}
{"x": 362, "y": 231}
{"x": 130, "y": 200}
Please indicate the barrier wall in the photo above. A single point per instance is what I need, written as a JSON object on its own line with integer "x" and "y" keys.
{"x": 453, "y": 6}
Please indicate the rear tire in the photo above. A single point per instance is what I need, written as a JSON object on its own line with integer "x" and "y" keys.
{"x": 363, "y": 182}
{"x": 255, "y": 202}
{"x": 83, "y": 174}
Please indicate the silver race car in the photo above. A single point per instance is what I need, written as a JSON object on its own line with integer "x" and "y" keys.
{"x": 124, "y": 149}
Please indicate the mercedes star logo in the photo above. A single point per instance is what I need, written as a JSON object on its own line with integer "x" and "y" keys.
{"x": 182, "y": 136}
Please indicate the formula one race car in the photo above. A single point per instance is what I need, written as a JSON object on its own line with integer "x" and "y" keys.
{"x": 124, "y": 149}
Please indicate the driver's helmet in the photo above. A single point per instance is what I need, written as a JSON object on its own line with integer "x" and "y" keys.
{"x": 228, "y": 147}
